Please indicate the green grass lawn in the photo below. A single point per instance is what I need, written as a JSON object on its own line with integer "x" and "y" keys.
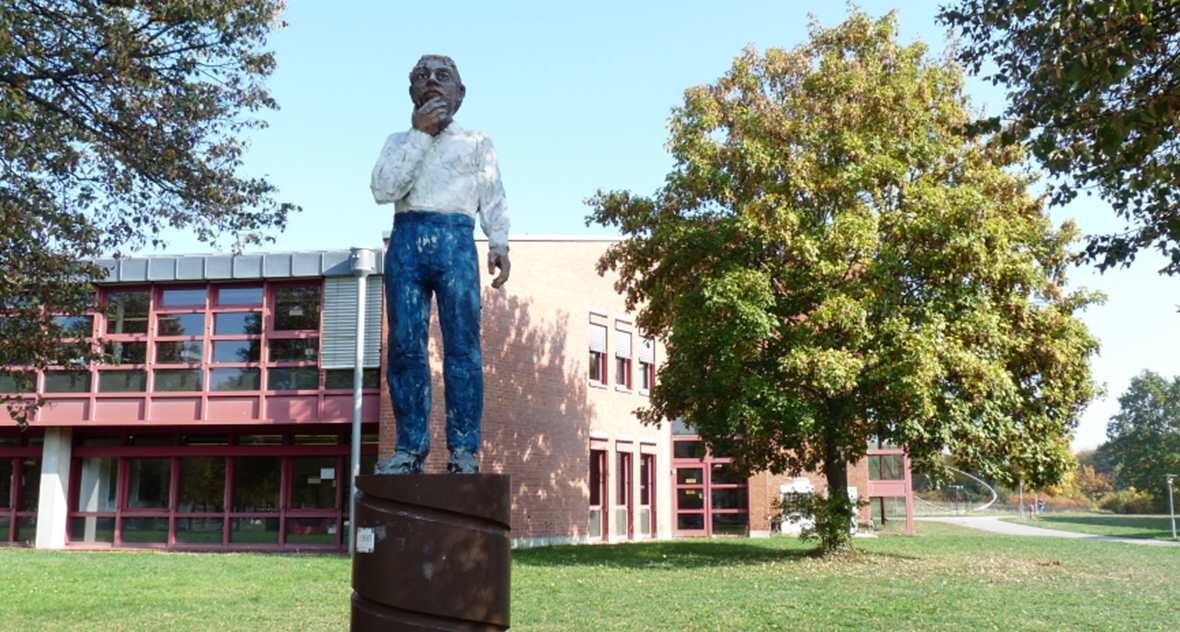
{"x": 1140, "y": 527}
{"x": 943, "y": 578}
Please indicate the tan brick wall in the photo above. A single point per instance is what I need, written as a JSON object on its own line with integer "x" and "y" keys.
{"x": 765, "y": 488}
{"x": 540, "y": 408}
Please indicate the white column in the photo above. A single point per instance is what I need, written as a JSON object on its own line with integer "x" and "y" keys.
{"x": 55, "y": 480}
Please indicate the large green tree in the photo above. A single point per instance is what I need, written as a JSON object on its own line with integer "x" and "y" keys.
{"x": 1143, "y": 439}
{"x": 831, "y": 260}
{"x": 1094, "y": 90}
{"x": 119, "y": 120}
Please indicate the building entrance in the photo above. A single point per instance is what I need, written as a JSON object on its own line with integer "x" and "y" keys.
{"x": 711, "y": 499}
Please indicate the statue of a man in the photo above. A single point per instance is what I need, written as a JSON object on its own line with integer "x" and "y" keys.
{"x": 438, "y": 177}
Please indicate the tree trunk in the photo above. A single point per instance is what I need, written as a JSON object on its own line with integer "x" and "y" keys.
{"x": 838, "y": 510}
{"x": 834, "y": 519}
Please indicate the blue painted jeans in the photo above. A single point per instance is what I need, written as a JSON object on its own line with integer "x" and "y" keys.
{"x": 433, "y": 254}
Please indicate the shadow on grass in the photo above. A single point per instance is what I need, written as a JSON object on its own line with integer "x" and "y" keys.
{"x": 1140, "y": 527}
{"x": 678, "y": 554}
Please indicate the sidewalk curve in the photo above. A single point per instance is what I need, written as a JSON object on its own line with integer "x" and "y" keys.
{"x": 996, "y": 525}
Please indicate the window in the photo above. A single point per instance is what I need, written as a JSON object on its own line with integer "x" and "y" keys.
{"x": 71, "y": 353}
{"x": 236, "y": 342}
{"x": 623, "y": 359}
{"x": 125, "y": 348}
{"x": 127, "y": 312}
{"x": 597, "y": 494}
{"x": 887, "y": 467}
{"x": 78, "y": 327}
{"x": 67, "y": 382}
{"x": 239, "y": 295}
{"x": 178, "y": 297}
{"x": 647, "y": 364}
{"x": 341, "y": 379}
{"x": 180, "y": 338}
{"x": 623, "y": 497}
{"x": 598, "y": 354}
{"x": 17, "y": 382}
{"x": 712, "y": 498}
{"x": 96, "y": 501}
{"x": 293, "y": 343}
{"x": 212, "y": 339}
{"x": 647, "y": 483}
{"x": 231, "y": 490}
{"x": 193, "y": 338}
{"x": 297, "y": 308}
{"x": 20, "y": 485}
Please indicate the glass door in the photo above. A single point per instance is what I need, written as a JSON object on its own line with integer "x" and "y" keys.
{"x": 711, "y": 498}
{"x": 597, "y": 494}
{"x": 623, "y": 528}
{"x": 647, "y": 469}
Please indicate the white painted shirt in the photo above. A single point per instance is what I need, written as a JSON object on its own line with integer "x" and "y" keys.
{"x": 454, "y": 172}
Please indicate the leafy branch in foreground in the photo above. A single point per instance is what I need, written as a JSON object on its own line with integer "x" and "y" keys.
{"x": 119, "y": 120}
{"x": 1095, "y": 93}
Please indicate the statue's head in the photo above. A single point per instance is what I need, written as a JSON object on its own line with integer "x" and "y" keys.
{"x": 435, "y": 76}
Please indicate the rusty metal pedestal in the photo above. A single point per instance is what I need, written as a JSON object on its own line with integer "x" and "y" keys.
{"x": 432, "y": 553}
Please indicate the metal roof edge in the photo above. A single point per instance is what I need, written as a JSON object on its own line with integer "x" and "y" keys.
{"x": 227, "y": 267}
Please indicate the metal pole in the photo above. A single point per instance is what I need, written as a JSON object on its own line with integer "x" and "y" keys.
{"x": 1021, "y": 494}
{"x": 1171, "y": 507}
{"x": 362, "y": 265}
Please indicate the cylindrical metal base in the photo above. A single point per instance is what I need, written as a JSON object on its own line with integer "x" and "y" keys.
{"x": 432, "y": 553}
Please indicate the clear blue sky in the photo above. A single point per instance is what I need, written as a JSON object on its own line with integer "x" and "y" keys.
{"x": 576, "y": 97}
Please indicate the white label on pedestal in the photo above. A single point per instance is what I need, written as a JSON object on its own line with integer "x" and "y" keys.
{"x": 364, "y": 540}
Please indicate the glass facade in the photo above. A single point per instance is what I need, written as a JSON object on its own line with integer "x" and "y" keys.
{"x": 191, "y": 339}
{"x": 284, "y": 489}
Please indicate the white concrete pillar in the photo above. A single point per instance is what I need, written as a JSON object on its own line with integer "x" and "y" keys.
{"x": 55, "y": 481}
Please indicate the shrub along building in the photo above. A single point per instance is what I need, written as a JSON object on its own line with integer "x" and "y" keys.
{"x": 220, "y": 415}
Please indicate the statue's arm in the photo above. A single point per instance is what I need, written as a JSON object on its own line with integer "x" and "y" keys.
{"x": 493, "y": 212}
{"x": 399, "y": 164}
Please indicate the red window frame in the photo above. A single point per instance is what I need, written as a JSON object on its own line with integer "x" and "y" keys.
{"x": 702, "y": 488}
{"x": 598, "y": 495}
{"x": 624, "y": 496}
{"x": 623, "y": 373}
{"x": 287, "y": 516}
{"x": 209, "y": 337}
{"x": 273, "y": 335}
{"x": 623, "y": 353}
{"x": 246, "y": 336}
{"x": 647, "y": 490}
{"x": 24, "y": 454}
{"x": 62, "y": 365}
{"x": 647, "y": 376}
{"x": 158, "y": 338}
{"x": 597, "y": 372}
{"x": 647, "y": 370}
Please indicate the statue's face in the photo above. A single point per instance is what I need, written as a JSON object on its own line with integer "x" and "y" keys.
{"x": 434, "y": 79}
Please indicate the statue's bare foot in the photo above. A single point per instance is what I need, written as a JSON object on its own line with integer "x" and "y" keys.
{"x": 399, "y": 463}
{"x": 462, "y": 462}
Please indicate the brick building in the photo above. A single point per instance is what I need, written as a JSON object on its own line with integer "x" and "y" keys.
{"x": 220, "y": 417}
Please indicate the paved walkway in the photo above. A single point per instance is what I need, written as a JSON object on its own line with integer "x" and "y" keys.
{"x": 996, "y": 525}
